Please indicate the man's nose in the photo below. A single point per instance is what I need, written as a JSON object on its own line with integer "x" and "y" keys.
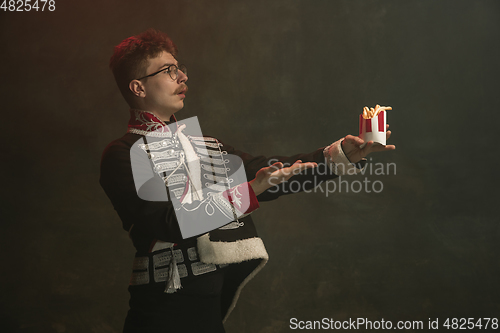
{"x": 181, "y": 76}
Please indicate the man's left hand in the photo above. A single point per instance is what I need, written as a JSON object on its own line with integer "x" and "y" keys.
{"x": 351, "y": 147}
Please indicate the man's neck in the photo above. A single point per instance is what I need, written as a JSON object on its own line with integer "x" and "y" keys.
{"x": 162, "y": 115}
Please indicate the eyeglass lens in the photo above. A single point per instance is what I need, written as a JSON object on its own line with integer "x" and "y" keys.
{"x": 173, "y": 71}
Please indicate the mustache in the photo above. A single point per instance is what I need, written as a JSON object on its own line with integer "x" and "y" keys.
{"x": 182, "y": 88}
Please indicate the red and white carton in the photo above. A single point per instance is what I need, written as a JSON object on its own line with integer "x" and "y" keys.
{"x": 373, "y": 129}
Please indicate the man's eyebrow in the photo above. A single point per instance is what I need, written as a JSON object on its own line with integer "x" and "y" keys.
{"x": 166, "y": 65}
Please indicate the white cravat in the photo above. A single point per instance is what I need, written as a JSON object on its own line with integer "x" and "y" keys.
{"x": 193, "y": 168}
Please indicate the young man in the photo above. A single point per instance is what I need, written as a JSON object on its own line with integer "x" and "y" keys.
{"x": 191, "y": 284}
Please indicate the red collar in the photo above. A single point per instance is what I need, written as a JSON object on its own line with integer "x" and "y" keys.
{"x": 147, "y": 123}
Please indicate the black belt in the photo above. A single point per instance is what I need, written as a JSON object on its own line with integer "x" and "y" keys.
{"x": 153, "y": 268}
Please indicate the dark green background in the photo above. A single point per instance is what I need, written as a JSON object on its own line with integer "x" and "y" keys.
{"x": 269, "y": 77}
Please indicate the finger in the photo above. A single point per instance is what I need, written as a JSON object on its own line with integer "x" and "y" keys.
{"x": 368, "y": 147}
{"x": 295, "y": 169}
{"x": 274, "y": 167}
{"x": 387, "y": 134}
{"x": 379, "y": 148}
{"x": 387, "y": 126}
{"x": 304, "y": 166}
{"x": 352, "y": 143}
{"x": 309, "y": 165}
{"x": 355, "y": 140}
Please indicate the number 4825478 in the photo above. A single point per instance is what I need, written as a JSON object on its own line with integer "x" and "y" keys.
{"x": 28, "y": 5}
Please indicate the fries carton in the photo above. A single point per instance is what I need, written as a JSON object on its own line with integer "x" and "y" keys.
{"x": 373, "y": 129}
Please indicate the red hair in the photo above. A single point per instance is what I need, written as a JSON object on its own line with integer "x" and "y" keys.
{"x": 130, "y": 58}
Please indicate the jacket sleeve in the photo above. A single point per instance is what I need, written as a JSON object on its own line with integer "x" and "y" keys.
{"x": 145, "y": 204}
{"x": 331, "y": 161}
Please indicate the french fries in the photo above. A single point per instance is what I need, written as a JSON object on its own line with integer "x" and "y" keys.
{"x": 369, "y": 113}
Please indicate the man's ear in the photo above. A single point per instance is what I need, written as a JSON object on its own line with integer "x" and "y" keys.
{"x": 137, "y": 88}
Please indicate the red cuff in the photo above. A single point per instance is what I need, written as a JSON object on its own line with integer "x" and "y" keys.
{"x": 243, "y": 198}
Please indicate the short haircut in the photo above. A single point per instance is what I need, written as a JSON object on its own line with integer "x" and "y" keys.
{"x": 130, "y": 58}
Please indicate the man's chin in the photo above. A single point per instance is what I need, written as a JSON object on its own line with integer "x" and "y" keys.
{"x": 176, "y": 108}
{"x": 179, "y": 108}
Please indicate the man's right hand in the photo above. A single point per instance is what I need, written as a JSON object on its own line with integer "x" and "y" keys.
{"x": 275, "y": 174}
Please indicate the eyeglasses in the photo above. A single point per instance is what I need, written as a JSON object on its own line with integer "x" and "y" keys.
{"x": 172, "y": 70}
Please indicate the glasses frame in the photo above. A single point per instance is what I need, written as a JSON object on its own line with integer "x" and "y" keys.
{"x": 181, "y": 68}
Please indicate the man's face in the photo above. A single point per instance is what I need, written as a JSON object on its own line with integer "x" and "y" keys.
{"x": 164, "y": 95}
